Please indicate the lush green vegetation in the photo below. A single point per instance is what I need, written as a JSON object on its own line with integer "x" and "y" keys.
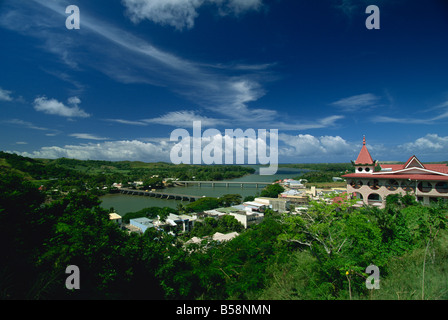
{"x": 150, "y": 213}
{"x": 401, "y": 240}
{"x": 63, "y": 175}
{"x": 321, "y": 172}
{"x": 334, "y": 167}
{"x": 272, "y": 191}
{"x": 322, "y": 254}
{"x": 211, "y": 225}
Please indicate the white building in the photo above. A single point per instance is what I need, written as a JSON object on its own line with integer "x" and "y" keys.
{"x": 248, "y": 218}
{"x": 276, "y": 204}
{"x": 115, "y": 218}
{"x": 141, "y": 223}
{"x": 221, "y": 237}
{"x": 182, "y": 223}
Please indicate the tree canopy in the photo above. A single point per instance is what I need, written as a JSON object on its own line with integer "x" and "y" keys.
{"x": 272, "y": 191}
{"x": 320, "y": 254}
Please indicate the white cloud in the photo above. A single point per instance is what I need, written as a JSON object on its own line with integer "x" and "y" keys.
{"x": 306, "y": 125}
{"x": 335, "y": 145}
{"x": 109, "y": 150}
{"x": 429, "y": 144}
{"x": 223, "y": 90}
{"x": 240, "y": 6}
{"x": 357, "y": 102}
{"x": 387, "y": 119}
{"x": 54, "y": 107}
{"x": 182, "y": 13}
{"x": 5, "y": 95}
{"x": 241, "y": 117}
{"x": 25, "y": 124}
{"x": 74, "y": 101}
{"x": 309, "y": 146}
{"x": 210, "y": 87}
{"x": 128, "y": 122}
{"x": 442, "y": 109}
{"x": 87, "y": 136}
{"x": 184, "y": 119}
{"x": 292, "y": 148}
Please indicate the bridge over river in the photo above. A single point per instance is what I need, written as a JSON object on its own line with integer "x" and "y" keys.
{"x": 161, "y": 195}
{"x": 185, "y": 197}
{"x": 257, "y": 184}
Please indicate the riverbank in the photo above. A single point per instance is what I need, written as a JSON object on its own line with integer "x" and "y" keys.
{"x": 123, "y": 204}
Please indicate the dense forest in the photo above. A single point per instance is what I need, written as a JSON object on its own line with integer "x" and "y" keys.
{"x": 321, "y": 254}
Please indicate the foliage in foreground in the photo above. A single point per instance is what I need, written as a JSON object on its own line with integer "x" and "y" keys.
{"x": 322, "y": 254}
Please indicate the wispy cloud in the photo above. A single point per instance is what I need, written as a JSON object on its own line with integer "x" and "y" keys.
{"x": 87, "y": 136}
{"x": 181, "y": 14}
{"x": 404, "y": 120}
{"x": 325, "y": 122}
{"x": 226, "y": 93}
{"x": 128, "y": 122}
{"x": 5, "y": 95}
{"x": 54, "y": 107}
{"x": 32, "y": 126}
{"x": 144, "y": 63}
{"x": 78, "y": 87}
{"x": 442, "y": 109}
{"x": 25, "y": 124}
{"x": 355, "y": 103}
{"x": 184, "y": 119}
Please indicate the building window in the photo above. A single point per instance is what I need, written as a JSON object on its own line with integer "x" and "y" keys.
{"x": 424, "y": 186}
{"x": 357, "y": 195}
{"x": 358, "y": 184}
{"x": 360, "y": 169}
{"x": 374, "y": 197}
{"x": 367, "y": 169}
{"x": 408, "y": 186}
{"x": 374, "y": 184}
{"x": 442, "y": 187}
{"x": 392, "y": 185}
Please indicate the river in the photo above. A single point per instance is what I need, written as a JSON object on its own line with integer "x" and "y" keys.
{"x": 128, "y": 203}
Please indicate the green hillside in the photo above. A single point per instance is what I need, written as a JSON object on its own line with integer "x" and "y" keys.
{"x": 80, "y": 175}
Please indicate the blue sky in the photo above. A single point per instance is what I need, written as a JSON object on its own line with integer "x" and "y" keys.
{"x": 137, "y": 69}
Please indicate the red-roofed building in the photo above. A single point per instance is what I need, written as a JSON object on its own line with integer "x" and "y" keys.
{"x": 364, "y": 157}
{"x": 427, "y": 182}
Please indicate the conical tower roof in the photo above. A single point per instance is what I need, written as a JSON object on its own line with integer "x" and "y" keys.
{"x": 364, "y": 156}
